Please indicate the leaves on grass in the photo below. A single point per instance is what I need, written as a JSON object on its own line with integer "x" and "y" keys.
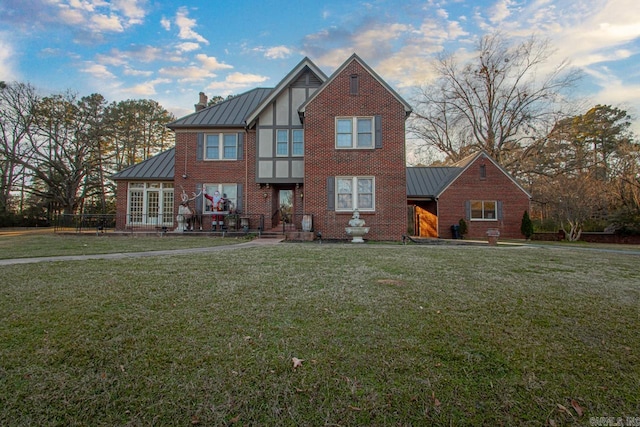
{"x": 564, "y": 409}
{"x": 577, "y": 407}
{"x": 296, "y": 362}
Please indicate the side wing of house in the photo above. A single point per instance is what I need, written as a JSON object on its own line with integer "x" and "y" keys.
{"x": 486, "y": 197}
{"x": 355, "y": 154}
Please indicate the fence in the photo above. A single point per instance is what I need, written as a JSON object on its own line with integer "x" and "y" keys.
{"x": 104, "y": 223}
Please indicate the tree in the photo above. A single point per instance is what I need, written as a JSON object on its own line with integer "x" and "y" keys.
{"x": 17, "y": 104}
{"x": 587, "y": 168}
{"x": 137, "y": 130}
{"x": 526, "y": 227}
{"x": 498, "y": 102}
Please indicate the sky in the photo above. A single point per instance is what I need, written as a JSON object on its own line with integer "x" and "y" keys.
{"x": 169, "y": 51}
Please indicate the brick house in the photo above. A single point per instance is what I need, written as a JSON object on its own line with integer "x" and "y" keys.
{"x": 303, "y": 155}
{"x": 476, "y": 189}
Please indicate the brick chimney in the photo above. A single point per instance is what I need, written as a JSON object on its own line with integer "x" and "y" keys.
{"x": 202, "y": 103}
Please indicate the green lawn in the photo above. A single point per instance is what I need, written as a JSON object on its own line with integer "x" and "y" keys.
{"x": 388, "y": 334}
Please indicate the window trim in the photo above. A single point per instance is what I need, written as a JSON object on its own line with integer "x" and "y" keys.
{"x": 484, "y": 210}
{"x": 294, "y": 143}
{"x": 354, "y": 133}
{"x": 211, "y": 187}
{"x": 284, "y": 143}
{"x": 222, "y": 136}
{"x": 355, "y": 194}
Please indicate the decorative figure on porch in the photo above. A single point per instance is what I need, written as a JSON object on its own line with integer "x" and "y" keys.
{"x": 186, "y": 218}
{"x": 183, "y": 213}
{"x": 217, "y": 205}
{"x": 356, "y": 228}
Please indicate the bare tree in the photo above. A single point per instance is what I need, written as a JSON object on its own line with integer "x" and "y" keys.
{"x": 17, "y": 103}
{"x": 498, "y": 101}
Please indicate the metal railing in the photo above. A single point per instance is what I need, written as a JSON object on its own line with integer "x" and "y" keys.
{"x": 103, "y": 223}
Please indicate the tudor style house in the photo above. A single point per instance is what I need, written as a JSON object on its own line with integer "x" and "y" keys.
{"x": 313, "y": 149}
{"x": 304, "y": 156}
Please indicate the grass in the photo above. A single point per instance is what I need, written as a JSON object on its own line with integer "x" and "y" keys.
{"x": 27, "y": 245}
{"x": 390, "y": 335}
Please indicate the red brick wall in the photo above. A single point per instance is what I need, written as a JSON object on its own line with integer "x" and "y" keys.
{"x": 469, "y": 186}
{"x": 389, "y": 221}
{"x": 121, "y": 204}
{"x": 202, "y": 171}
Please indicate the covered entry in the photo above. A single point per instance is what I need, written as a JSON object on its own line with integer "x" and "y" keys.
{"x": 424, "y": 219}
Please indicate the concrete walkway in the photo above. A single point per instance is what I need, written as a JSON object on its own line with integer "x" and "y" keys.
{"x": 125, "y": 255}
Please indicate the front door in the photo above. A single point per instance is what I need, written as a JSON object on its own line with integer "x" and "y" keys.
{"x": 285, "y": 204}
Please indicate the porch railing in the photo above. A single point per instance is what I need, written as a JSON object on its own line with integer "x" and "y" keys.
{"x": 103, "y": 223}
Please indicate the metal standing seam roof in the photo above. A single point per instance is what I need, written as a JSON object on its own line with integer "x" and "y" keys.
{"x": 229, "y": 113}
{"x": 159, "y": 167}
{"x": 429, "y": 181}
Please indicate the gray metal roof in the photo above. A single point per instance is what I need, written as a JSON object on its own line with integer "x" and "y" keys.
{"x": 429, "y": 181}
{"x": 229, "y": 113}
{"x": 158, "y": 167}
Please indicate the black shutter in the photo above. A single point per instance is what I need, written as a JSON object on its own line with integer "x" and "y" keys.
{"x": 240, "y": 153}
{"x": 499, "y": 209}
{"x": 200, "y": 147}
{"x": 378, "y": 131}
{"x": 331, "y": 193}
{"x": 239, "y": 198}
{"x": 467, "y": 209}
{"x": 199, "y": 197}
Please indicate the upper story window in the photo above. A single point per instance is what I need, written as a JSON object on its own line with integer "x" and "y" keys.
{"x": 282, "y": 143}
{"x": 298, "y": 142}
{"x": 221, "y": 146}
{"x": 354, "y": 132}
{"x": 483, "y": 210}
{"x": 355, "y": 192}
{"x": 354, "y": 84}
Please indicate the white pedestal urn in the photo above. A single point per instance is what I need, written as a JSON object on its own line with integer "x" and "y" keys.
{"x": 356, "y": 228}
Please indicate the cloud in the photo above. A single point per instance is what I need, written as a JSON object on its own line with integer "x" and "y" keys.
{"x": 106, "y": 23}
{"x": 235, "y": 82}
{"x": 7, "y": 66}
{"x": 98, "y": 71}
{"x": 277, "y": 52}
{"x": 186, "y": 25}
{"x": 166, "y": 23}
{"x": 187, "y": 46}
{"x": 187, "y": 74}
{"x": 211, "y": 63}
{"x": 147, "y": 88}
{"x": 131, "y": 9}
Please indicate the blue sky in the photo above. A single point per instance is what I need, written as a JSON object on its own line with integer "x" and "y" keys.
{"x": 171, "y": 50}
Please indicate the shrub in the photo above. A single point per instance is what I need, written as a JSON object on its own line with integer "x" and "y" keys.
{"x": 526, "y": 228}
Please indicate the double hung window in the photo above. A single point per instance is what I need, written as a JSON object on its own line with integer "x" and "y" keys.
{"x": 354, "y": 132}
{"x": 355, "y": 192}
{"x": 221, "y": 146}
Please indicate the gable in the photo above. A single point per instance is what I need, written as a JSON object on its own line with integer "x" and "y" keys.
{"x": 369, "y": 70}
{"x": 432, "y": 181}
{"x": 305, "y": 74}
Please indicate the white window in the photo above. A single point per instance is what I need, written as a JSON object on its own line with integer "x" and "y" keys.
{"x": 150, "y": 203}
{"x": 483, "y": 210}
{"x": 298, "y": 142}
{"x": 282, "y": 143}
{"x": 221, "y": 146}
{"x": 227, "y": 191}
{"x": 355, "y": 192}
{"x": 354, "y": 132}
